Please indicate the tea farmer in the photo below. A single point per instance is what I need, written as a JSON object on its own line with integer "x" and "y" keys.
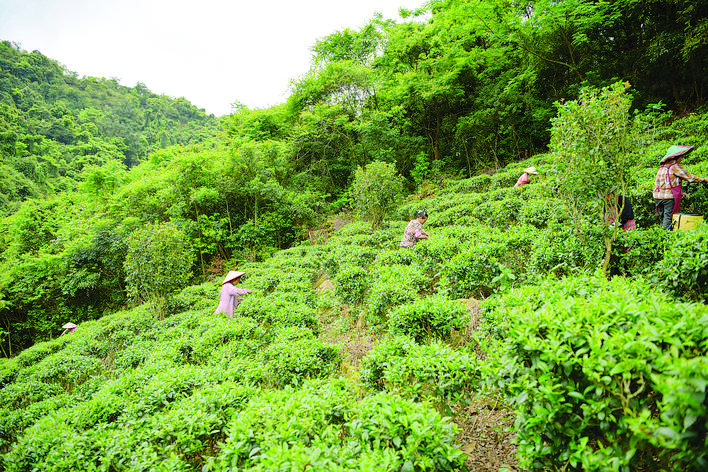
{"x": 68, "y": 328}
{"x": 626, "y": 216}
{"x": 229, "y": 296}
{"x": 524, "y": 179}
{"x": 414, "y": 230}
{"x": 667, "y": 185}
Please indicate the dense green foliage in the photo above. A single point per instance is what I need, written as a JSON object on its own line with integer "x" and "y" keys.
{"x": 113, "y": 195}
{"x": 598, "y": 370}
{"x": 55, "y": 124}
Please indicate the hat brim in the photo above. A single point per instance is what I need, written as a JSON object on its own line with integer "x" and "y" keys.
{"x": 676, "y": 151}
{"x": 232, "y": 275}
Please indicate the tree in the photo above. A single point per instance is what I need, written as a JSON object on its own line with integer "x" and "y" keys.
{"x": 159, "y": 261}
{"x": 591, "y": 139}
{"x": 376, "y": 191}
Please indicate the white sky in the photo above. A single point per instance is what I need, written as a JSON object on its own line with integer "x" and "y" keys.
{"x": 212, "y": 52}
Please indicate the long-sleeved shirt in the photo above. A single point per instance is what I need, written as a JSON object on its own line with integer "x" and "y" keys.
{"x": 228, "y": 299}
{"x": 413, "y": 232}
{"x": 523, "y": 180}
{"x": 663, "y": 183}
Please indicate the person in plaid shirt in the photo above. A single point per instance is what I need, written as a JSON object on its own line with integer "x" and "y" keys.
{"x": 667, "y": 185}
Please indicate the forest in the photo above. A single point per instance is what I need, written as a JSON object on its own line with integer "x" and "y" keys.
{"x": 528, "y": 333}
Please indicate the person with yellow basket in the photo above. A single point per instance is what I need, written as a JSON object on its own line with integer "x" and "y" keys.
{"x": 667, "y": 184}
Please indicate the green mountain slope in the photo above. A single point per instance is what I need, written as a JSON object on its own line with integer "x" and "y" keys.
{"x": 54, "y": 124}
{"x": 580, "y": 361}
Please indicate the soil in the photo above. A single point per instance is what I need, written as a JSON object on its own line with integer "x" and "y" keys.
{"x": 487, "y": 437}
{"x": 486, "y": 432}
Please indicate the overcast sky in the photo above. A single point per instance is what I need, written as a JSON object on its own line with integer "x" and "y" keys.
{"x": 212, "y": 52}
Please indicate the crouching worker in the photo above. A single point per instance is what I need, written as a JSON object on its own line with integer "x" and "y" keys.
{"x": 229, "y": 296}
{"x": 414, "y": 230}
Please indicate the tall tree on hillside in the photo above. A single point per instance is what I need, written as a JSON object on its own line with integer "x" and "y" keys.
{"x": 592, "y": 142}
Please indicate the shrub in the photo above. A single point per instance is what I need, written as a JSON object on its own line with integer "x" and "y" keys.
{"x": 562, "y": 250}
{"x": 65, "y": 369}
{"x": 585, "y": 361}
{"x": 392, "y": 286}
{"x": 637, "y": 253}
{"x": 292, "y": 361}
{"x": 475, "y": 271}
{"x": 542, "y": 212}
{"x": 478, "y": 183}
{"x": 435, "y": 373}
{"x": 378, "y": 360}
{"x": 281, "y": 309}
{"x": 159, "y": 261}
{"x": 684, "y": 269}
{"x": 195, "y": 297}
{"x": 430, "y": 318}
{"x": 310, "y": 417}
{"x": 351, "y": 283}
{"x": 417, "y": 435}
{"x": 376, "y": 191}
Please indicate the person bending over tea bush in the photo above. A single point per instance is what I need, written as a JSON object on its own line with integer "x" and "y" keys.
{"x": 414, "y": 231}
{"x": 524, "y": 179}
{"x": 229, "y": 296}
{"x": 667, "y": 185}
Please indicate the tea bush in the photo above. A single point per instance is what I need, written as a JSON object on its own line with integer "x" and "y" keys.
{"x": 65, "y": 369}
{"x": 321, "y": 426}
{"x": 195, "y": 297}
{"x": 292, "y": 361}
{"x": 392, "y": 286}
{"x": 478, "y": 183}
{"x": 435, "y": 373}
{"x": 274, "y": 423}
{"x": 347, "y": 255}
{"x": 584, "y": 360}
{"x": 416, "y": 435}
{"x": 476, "y": 271}
{"x": 351, "y": 283}
{"x": 377, "y": 361}
{"x": 637, "y": 253}
{"x": 542, "y": 212}
{"x": 432, "y": 317}
{"x": 684, "y": 269}
{"x": 281, "y": 309}
{"x": 561, "y": 250}
{"x": 680, "y": 431}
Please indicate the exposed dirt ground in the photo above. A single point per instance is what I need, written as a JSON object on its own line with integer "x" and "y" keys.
{"x": 486, "y": 428}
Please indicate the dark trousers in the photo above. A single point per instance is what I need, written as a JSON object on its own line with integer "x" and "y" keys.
{"x": 665, "y": 209}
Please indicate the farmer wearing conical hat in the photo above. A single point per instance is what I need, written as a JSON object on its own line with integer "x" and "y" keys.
{"x": 229, "y": 296}
{"x": 524, "y": 179}
{"x": 68, "y": 328}
{"x": 667, "y": 185}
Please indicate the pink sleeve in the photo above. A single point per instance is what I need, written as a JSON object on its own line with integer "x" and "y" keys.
{"x": 236, "y": 291}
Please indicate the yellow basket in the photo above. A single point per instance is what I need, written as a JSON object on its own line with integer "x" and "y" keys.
{"x": 681, "y": 221}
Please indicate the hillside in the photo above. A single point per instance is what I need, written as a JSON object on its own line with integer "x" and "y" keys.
{"x": 55, "y": 124}
{"x": 528, "y": 333}
{"x": 575, "y": 359}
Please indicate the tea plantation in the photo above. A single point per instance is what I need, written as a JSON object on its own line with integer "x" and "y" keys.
{"x": 600, "y": 374}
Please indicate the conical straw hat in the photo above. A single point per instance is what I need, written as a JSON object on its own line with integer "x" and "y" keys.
{"x": 232, "y": 275}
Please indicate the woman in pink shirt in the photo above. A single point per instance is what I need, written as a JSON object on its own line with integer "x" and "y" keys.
{"x": 229, "y": 297}
{"x": 414, "y": 230}
{"x": 524, "y": 179}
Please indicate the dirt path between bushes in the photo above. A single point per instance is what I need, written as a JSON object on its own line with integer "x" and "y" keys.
{"x": 486, "y": 431}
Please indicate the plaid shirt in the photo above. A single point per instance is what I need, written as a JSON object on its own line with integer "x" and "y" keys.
{"x": 662, "y": 185}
